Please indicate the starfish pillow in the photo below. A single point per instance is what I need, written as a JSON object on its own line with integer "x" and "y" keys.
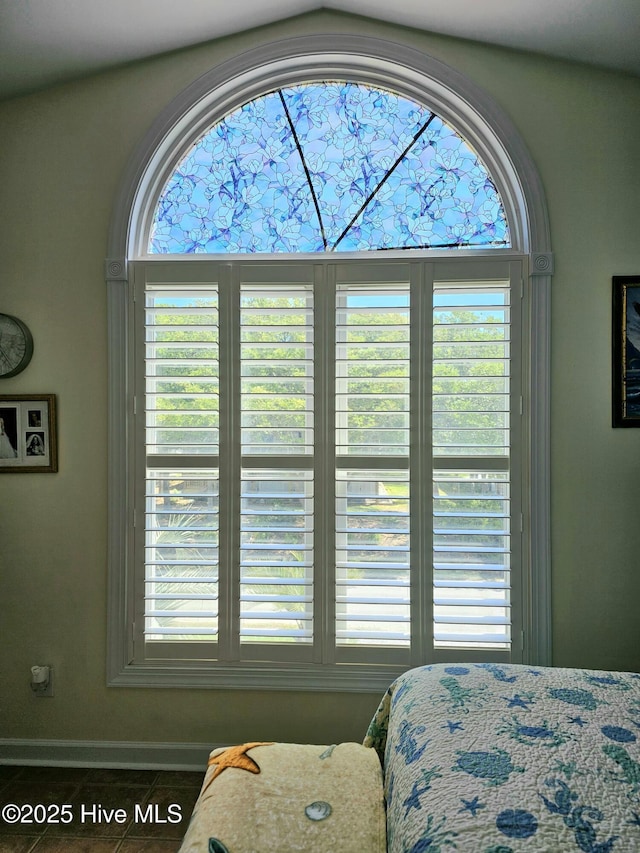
{"x": 261, "y": 797}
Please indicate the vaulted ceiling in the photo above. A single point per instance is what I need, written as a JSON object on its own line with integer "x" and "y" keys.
{"x": 43, "y": 42}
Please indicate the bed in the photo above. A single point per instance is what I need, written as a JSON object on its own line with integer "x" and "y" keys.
{"x": 502, "y": 759}
{"x": 474, "y": 758}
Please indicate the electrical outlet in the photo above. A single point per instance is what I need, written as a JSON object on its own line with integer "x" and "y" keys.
{"x": 43, "y": 689}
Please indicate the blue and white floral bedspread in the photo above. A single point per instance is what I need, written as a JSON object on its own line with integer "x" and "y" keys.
{"x": 485, "y": 758}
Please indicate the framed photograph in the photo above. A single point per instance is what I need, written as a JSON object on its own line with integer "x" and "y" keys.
{"x": 28, "y": 439}
{"x": 626, "y": 351}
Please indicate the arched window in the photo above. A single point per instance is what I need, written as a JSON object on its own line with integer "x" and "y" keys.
{"x": 323, "y": 310}
{"x": 325, "y": 167}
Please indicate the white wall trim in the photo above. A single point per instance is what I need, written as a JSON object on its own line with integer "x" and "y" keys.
{"x": 539, "y": 648}
{"x": 123, "y": 755}
{"x": 115, "y": 269}
{"x": 119, "y": 506}
{"x": 542, "y": 263}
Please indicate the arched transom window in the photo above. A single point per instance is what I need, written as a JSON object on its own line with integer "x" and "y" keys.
{"x": 328, "y": 166}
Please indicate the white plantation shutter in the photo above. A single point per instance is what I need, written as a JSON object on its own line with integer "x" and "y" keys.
{"x": 372, "y": 411}
{"x": 182, "y": 357}
{"x": 276, "y": 352}
{"x": 328, "y": 463}
{"x": 277, "y": 417}
{"x": 276, "y": 556}
{"x": 471, "y": 560}
{"x": 181, "y": 412}
{"x": 372, "y": 558}
{"x": 471, "y": 415}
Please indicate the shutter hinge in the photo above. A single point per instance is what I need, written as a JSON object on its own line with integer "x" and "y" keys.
{"x": 135, "y": 405}
{"x": 521, "y": 404}
{"x": 521, "y": 288}
{"x": 521, "y": 641}
{"x": 521, "y": 523}
{"x": 135, "y": 517}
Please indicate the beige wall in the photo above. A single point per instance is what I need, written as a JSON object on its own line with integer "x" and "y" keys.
{"x": 62, "y": 155}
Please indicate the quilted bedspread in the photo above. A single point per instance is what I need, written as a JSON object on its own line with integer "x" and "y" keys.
{"x": 501, "y": 759}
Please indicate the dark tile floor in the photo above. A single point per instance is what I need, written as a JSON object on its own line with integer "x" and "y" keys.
{"x": 111, "y": 811}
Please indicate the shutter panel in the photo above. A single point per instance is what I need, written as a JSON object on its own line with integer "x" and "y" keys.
{"x": 276, "y": 556}
{"x": 277, "y": 501}
{"x": 182, "y": 393}
{"x": 372, "y": 499}
{"x": 471, "y": 509}
{"x": 296, "y": 463}
{"x": 277, "y": 370}
{"x": 181, "y": 503}
{"x": 372, "y": 558}
{"x": 372, "y": 370}
{"x": 181, "y": 586}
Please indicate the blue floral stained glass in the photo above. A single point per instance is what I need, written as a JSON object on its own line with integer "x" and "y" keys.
{"x": 331, "y": 166}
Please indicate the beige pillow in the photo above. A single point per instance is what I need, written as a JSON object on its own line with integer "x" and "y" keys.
{"x": 289, "y": 797}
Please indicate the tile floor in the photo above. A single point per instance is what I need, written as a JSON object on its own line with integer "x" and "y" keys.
{"x": 97, "y": 792}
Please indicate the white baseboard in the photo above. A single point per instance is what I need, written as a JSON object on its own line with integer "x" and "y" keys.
{"x": 118, "y": 754}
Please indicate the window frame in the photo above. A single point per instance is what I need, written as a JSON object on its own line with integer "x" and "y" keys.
{"x": 475, "y": 116}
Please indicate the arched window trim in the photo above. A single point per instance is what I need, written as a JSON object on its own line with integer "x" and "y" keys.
{"x": 459, "y": 102}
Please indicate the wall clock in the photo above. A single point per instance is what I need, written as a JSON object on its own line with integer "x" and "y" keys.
{"x": 16, "y": 346}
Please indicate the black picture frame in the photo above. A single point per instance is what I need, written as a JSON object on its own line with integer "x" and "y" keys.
{"x": 626, "y": 351}
{"x": 28, "y": 434}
